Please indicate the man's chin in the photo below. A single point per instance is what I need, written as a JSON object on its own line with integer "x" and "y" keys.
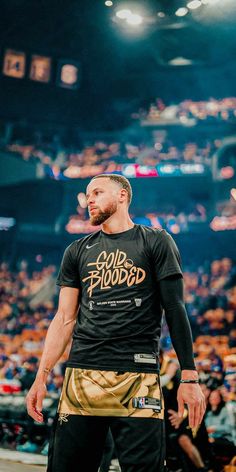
{"x": 94, "y": 222}
{"x": 101, "y": 217}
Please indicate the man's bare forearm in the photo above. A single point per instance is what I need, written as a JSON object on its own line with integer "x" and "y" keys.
{"x": 58, "y": 335}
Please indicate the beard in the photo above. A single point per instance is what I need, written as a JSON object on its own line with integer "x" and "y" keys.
{"x": 102, "y": 216}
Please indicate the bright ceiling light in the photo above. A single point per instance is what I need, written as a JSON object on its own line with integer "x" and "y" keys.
{"x": 194, "y": 4}
{"x": 108, "y": 3}
{"x": 181, "y": 11}
{"x": 134, "y": 19}
{"x": 161, "y": 14}
{"x": 180, "y": 61}
{"x": 123, "y": 14}
{"x": 210, "y": 2}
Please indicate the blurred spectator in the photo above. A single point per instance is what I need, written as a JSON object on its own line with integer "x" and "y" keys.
{"x": 29, "y": 373}
{"x": 220, "y": 425}
{"x": 189, "y": 111}
{"x": 174, "y": 221}
{"x": 181, "y": 440}
{"x": 99, "y": 157}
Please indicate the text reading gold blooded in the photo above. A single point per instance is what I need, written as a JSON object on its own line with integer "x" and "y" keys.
{"x": 113, "y": 269}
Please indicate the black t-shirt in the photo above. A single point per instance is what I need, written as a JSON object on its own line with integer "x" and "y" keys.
{"x": 119, "y": 319}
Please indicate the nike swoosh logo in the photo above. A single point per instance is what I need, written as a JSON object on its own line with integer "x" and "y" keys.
{"x": 89, "y": 247}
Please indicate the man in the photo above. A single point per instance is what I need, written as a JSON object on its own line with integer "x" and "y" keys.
{"x": 121, "y": 276}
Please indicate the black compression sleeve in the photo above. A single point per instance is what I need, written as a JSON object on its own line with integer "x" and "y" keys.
{"x": 172, "y": 300}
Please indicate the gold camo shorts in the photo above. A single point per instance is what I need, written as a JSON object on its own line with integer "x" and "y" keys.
{"x": 108, "y": 393}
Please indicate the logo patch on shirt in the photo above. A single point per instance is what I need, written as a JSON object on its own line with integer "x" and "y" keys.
{"x": 145, "y": 358}
{"x": 91, "y": 303}
{"x": 138, "y": 301}
{"x": 89, "y": 247}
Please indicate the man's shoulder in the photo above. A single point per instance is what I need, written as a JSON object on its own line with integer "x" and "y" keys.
{"x": 87, "y": 240}
{"x": 150, "y": 232}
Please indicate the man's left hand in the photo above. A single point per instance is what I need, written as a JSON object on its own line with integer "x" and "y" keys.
{"x": 192, "y": 396}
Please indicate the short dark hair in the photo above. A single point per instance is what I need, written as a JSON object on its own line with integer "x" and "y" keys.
{"x": 119, "y": 179}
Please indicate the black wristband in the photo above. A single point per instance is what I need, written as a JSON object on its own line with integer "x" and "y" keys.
{"x": 189, "y": 381}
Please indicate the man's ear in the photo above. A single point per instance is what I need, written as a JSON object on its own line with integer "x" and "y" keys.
{"x": 123, "y": 195}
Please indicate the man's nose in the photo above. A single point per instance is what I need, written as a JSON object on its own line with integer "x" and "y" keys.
{"x": 90, "y": 200}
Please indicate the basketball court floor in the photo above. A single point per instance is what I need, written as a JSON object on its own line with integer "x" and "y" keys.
{"x": 13, "y": 461}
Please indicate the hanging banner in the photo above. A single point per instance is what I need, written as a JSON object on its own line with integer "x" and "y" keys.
{"x": 40, "y": 68}
{"x": 14, "y": 64}
{"x": 68, "y": 74}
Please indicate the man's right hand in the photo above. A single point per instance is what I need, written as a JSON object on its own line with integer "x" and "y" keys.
{"x": 34, "y": 400}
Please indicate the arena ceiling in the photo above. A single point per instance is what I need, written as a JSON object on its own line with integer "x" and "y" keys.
{"x": 121, "y": 68}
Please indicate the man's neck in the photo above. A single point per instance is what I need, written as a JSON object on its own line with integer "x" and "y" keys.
{"x": 117, "y": 226}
